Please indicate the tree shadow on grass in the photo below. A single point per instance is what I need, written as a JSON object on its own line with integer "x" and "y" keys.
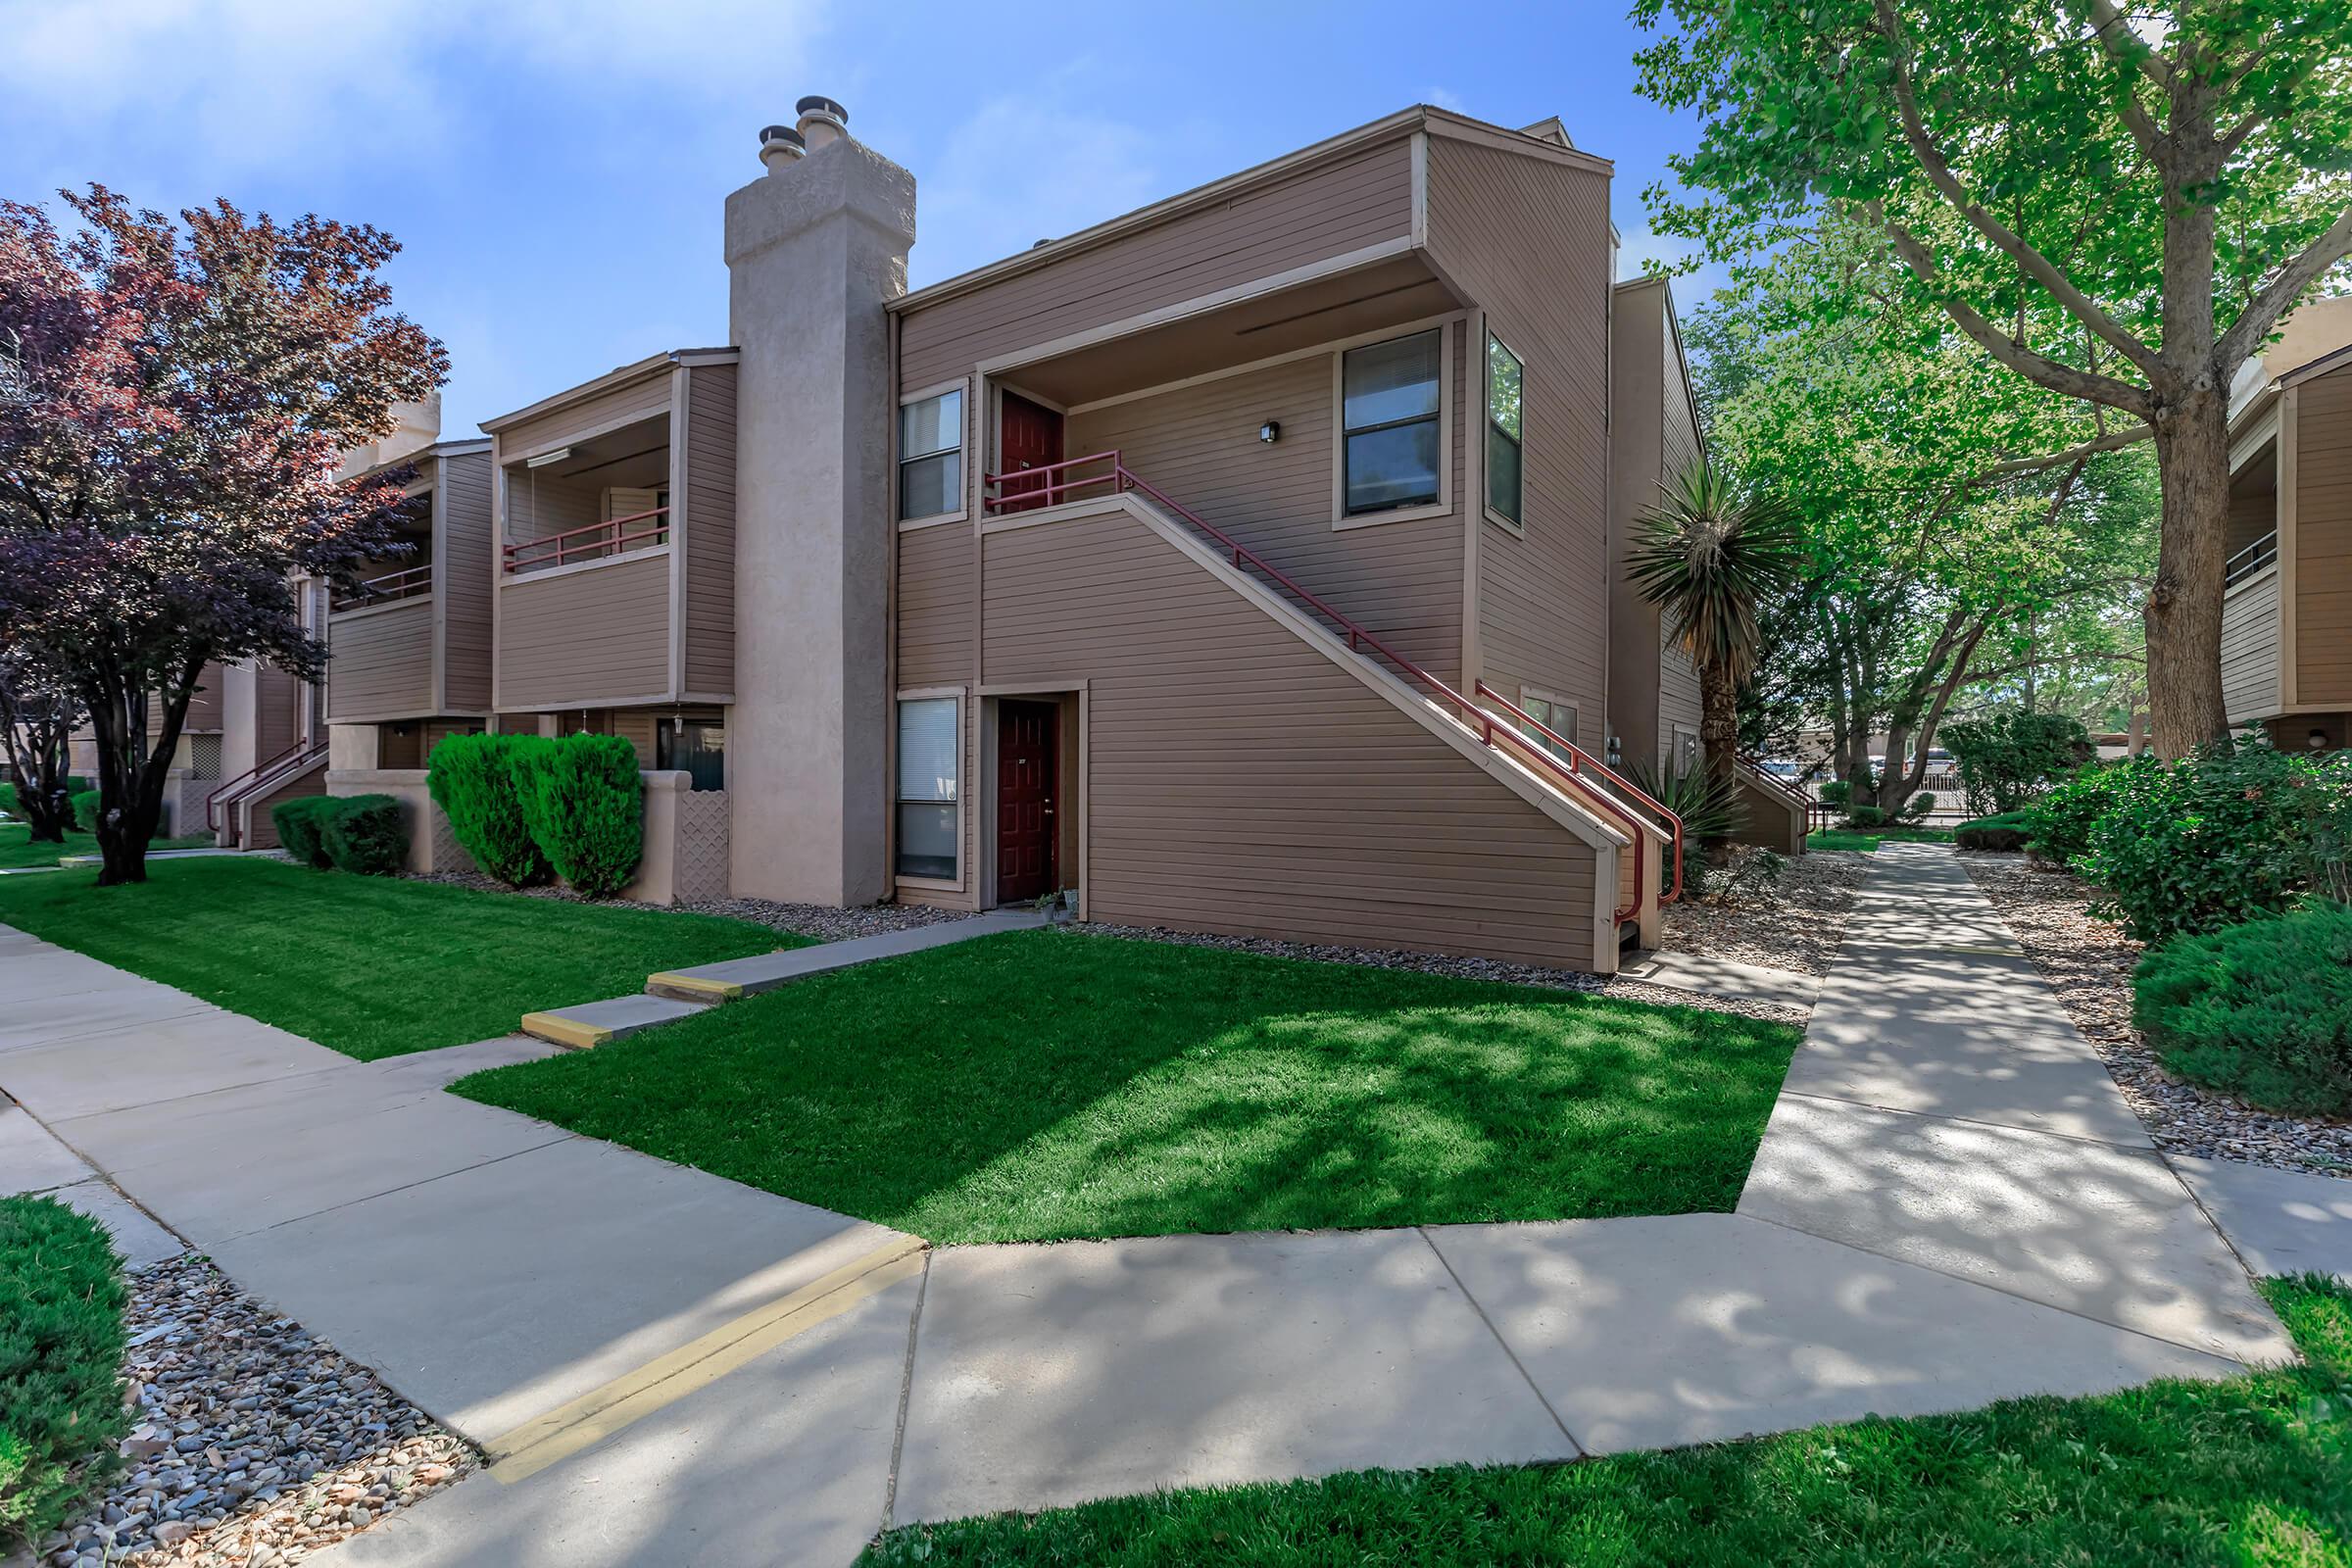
{"x": 1048, "y": 1085}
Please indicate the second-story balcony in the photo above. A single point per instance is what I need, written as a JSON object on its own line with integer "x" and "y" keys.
{"x": 410, "y": 638}
{"x": 616, "y": 521}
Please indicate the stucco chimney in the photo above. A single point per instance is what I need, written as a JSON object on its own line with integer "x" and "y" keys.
{"x": 781, "y": 147}
{"x": 822, "y": 122}
{"x": 812, "y": 260}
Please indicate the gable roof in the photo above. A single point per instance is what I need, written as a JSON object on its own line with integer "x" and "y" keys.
{"x": 1546, "y": 139}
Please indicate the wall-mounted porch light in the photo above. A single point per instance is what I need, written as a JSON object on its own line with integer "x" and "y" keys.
{"x": 1270, "y": 431}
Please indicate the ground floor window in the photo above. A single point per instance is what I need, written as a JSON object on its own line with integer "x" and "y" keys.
{"x": 1686, "y": 751}
{"x": 929, "y": 787}
{"x": 695, "y": 747}
{"x": 1554, "y": 715}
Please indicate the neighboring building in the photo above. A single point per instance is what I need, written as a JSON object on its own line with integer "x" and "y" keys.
{"x": 2286, "y": 620}
{"x": 1240, "y": 565}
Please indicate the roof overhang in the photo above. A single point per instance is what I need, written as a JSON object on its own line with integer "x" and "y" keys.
{"x": 651, "y": 365}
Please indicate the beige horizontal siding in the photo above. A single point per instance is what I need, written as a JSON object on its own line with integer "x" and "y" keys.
{"x": 1342, "y": 206}
{"x": 1237, "y": 781}
{"x": 468, "y": 569}
{"x": 709, "y": 530}
{"x": 2323, "y": 540}
{"x": 204, "y": 706}
{"x": 1529, "y": 240}
{"x": 587, "y": 637}
{"x": 1200, "y": 445}
{"x": 382, "y": 661}
{"x": 647, "y": 396}
{"x": 935, "y": 609}
{"x": 2250, "y": 646}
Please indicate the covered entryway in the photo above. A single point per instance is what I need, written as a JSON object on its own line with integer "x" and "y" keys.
{"x": 1028, "y": 786}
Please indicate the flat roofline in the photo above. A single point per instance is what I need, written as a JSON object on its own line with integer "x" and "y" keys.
{"x": 457, "y": 447}
{"x": 618, "y": 377}
{"x": 1418, "y": 117}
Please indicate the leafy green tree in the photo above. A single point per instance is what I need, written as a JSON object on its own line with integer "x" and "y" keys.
{"x": 2117, "y": 200}
{"x": 1707, "y": 553}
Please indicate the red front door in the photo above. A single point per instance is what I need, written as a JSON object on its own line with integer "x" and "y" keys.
{"x": 1028, "y": 436}
{"x": 1028, "y": 735}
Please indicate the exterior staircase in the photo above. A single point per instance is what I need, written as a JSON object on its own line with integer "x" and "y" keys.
{"x": 230, "y": 811}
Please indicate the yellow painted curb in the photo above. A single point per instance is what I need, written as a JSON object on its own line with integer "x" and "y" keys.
{"x": 598, "y": 1413}
{"x": 557, "y": 1029}
{"x": 716, "y": 989}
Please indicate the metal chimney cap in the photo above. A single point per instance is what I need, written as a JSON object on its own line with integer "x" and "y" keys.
{"x": 822, "y": 104}
{"x": 770, "y": 133}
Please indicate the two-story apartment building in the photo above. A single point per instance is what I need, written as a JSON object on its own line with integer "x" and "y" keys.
{"x": 2287, "y": 617}
{"x": 1240, "y": 565}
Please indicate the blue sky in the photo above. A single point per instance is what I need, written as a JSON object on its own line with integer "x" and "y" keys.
{"x": 556, "y": 168}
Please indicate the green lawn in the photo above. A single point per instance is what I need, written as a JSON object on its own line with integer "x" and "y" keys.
{"x": 16, "y": 848}
{"x": 2255, "y": 1471}
{"x": 370, "y": 966}
{"x": 1043, "y": 1085}
{"x": 1869, "y": 838}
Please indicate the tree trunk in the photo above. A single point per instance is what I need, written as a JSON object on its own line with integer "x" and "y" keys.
{"x": 1718, "y": 728}
{"x": 2183, "y": 616}
{"x": 131, "y": 772}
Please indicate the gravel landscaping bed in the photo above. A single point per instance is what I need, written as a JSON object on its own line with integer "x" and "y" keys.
{"x": 1523, "y": 975}
{"x": 253, "y": 1443}
{"x": 2088, "y": 963}
{"x": 821, "y": 921}
{"x": 1795, "y": 925}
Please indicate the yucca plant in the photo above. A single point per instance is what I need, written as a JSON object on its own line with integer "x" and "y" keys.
{"x": 1709, "y": 806}
{"x": 1706, "y": 554}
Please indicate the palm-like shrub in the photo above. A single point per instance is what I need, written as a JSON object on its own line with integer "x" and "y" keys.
{"x": 472, "y": 780}
{"x": 1706, "y": 554}
{"x": 1709, "y": 806}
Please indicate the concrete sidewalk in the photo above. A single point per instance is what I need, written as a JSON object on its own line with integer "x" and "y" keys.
{"x": 1949, "y": 1206}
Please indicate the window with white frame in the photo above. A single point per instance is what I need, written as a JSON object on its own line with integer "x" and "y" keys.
{"x": 929, "y": 787}
{"x": 1389, "y": 413}
{"x": 1686, "y": 751}
{"x": 931, "y": 456}
{"x": 1557, "y": 717}
{"x": 1504, "y": 377}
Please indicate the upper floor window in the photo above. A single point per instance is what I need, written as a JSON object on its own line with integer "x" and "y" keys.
{"x": 1503, "y": 378}
{"x": 1389, "y": 408}
{"x": 931, "y": 456}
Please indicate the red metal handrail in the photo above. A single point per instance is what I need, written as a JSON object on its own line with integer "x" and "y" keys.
{"x": 290, "y": 760}
{"x": 620, "y": 541}
{"x": 1578, "y": 761}
{"x": 1481, "y": 722}
{"x": 392, "y": 585}
{"x": 1030, "y": 496}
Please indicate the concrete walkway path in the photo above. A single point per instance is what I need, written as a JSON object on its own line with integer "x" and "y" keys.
{"x": 1950, "y": 1206}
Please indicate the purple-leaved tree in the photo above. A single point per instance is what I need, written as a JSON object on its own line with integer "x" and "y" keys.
{"x": 174, "y": 398}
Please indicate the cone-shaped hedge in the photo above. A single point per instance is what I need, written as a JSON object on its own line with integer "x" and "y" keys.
{"x": 585, "y": 805}
{"x": 472, "y": 780}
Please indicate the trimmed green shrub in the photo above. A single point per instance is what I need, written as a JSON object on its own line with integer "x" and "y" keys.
{"x": 2236, "y": 832}
{"x": 2063, "y": 818}
{"x": 2006, "y": 831}
{"x": 301, "y": 825}
{"x": 61, "y": 1356}
{"x": 585, "y": 805}
{"x": 1866, "y": 816}
{"x": 1837, "y": 791}
{"x": 2263, "y": 1009}
{"x": 85, "y": 811}
{"x": 2008, "y": 758}
{"x": 473, "y": 780}
{"x": 363, "y": 835}
{"x": 1920, "y": 807}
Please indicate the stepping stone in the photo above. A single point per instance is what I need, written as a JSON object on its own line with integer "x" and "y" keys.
{"x": 597, "y": 1023}
{"x": 737, "y": 978}
{"x": 1724, "y": 977}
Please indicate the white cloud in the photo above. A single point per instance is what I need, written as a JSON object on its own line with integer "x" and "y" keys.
{"x": 1032, "y": 165}
{"x": 308, "y": 85}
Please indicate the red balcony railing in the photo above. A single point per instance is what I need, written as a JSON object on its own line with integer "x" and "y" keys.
{"x": 1584, "y": 776}
{"x": 593, "y": 542}
{"x": 387, "y": 589}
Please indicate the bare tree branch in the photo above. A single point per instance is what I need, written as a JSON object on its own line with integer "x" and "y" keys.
{"x": 2057, "y": 377}
{"x": 2030, "y": 262}
{"x": 2112, "y": 28}
{"x": 2115, "y": 442}
{"x": 2255, "y": 321}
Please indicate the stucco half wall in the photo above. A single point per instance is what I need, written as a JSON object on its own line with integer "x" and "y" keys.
{"x": 1241, "y": 779}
